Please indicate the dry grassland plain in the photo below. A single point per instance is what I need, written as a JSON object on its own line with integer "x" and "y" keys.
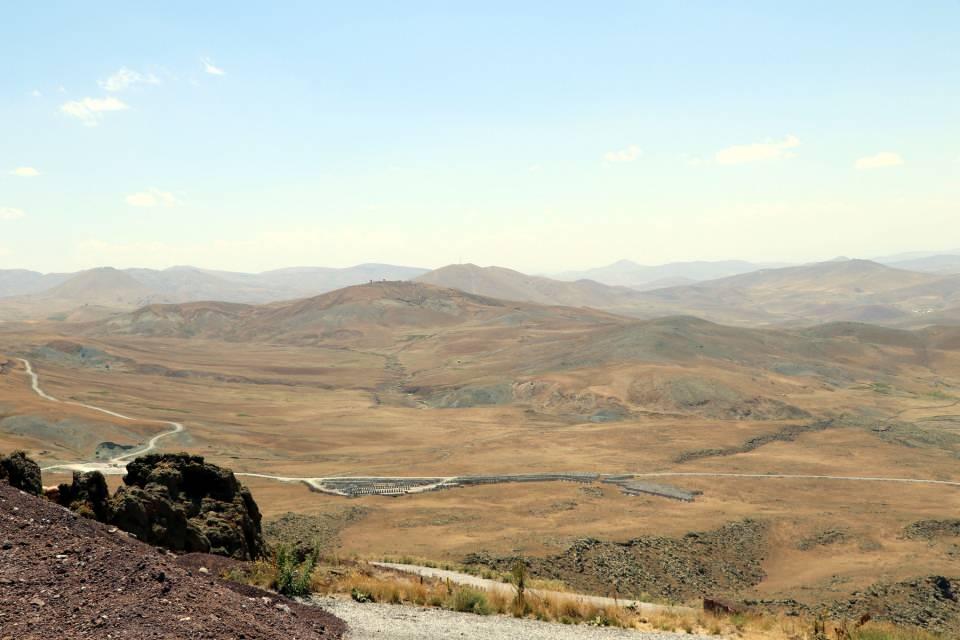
{"x": 380, "y": 409}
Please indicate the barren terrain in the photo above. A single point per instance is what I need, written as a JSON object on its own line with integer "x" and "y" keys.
{"x": 381, "y": 381}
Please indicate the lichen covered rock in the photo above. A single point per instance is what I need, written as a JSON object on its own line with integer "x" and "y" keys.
{"x": 88, "y": 495}
{"x": 185, "y": 504}
{"x": 21, "y": 472}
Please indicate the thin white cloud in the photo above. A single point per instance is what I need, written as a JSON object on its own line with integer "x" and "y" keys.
{"x": 212, "y": 69}
{"x": 90, "y": 111}
{"x": 36, "y": 93}
{"x": 152, "y": 197}
{"x": 25, "y": 172}
{"x": 757, "y": 152}
{"x": 124, "y": 78}
{"x": 9, "y": 213}
{"x": 629, "y": 154}
{"x": 881, "y": 160}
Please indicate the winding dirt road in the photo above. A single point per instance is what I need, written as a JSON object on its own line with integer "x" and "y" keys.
{"x": 117, "y": 465}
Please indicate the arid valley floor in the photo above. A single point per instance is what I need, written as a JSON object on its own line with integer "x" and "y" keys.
{"x": 403, "y": 379}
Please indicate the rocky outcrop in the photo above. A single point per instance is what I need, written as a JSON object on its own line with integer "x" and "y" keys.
{"x": 786, "y": 434}
{"x": 185, "y": 504}
{"x": 933, "y": 529}
{"x": 823, "y": 539}
{"x": 88, "y": 495}
{"x": 931, "y": 603}
{"x": 21, "y": 472}
{"x": 726, "y": 561}
{"x": 176, "y": 501}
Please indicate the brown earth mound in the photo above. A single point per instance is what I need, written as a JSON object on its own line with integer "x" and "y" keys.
{"x": 64, "y": 576}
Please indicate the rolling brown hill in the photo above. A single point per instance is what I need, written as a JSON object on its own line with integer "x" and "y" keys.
{"x": 88, "y": 295}
{"x": 382, "y": 309}
{"x": 507, "y": 284}
{"x": 104, "y": 286}
{"x": 455, "y": 349}
{"x": 857, "y": 290}
{"x": 189, "y": 319}
{"x": 102, "y": 292}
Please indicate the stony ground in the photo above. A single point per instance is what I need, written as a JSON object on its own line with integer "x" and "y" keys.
{"x": 721, "y": 561}
{"x": 63, "y": 576}
{"x": 396, "y": 622}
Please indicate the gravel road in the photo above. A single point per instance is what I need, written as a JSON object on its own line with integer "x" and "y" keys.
{"x": 400, "y": 622}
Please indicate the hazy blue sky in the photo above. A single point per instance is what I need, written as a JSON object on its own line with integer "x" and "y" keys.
{"x": 554, "y": 136}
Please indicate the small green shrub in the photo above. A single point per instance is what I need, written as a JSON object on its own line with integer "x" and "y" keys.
{"x": 292, "y": 578}
{"x": 519, "y": 577}
{"x": 469, "y": 601}
{"x": 361, "y": 596}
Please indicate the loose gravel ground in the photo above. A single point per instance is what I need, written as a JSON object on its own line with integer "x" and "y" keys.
{"x": 400, "y": 622}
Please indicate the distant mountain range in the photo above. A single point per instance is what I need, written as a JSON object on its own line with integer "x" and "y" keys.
{"x": 945, "y": 263}
{"x": 184, "y": 283}
{"x": 99, "y": 292}
{"x": 507, "y": 284}
{"x": 838, "y": 290}
{"x": 625, "y": 273}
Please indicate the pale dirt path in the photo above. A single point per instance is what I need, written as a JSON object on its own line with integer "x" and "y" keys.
{"x": 791, "y": 476}
{"x": 370, "y": 621}
{"x": 116, "y": 465}
{"x": 507, "y": 589}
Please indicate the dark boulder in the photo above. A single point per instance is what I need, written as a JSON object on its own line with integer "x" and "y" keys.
{"x": 154, "y": 517}
{"x": 21, "y": 472}
{"x": 185, "y": 504}
{"x": 88, "y": 495}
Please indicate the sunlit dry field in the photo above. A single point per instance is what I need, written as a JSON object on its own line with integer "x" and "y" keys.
{"x": 339, "y": 410}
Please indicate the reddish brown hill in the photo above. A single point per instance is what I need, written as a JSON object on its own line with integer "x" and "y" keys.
{"x": 63, "y": 576}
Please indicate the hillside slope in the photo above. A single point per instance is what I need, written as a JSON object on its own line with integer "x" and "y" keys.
{"x": 507, "y": 284}
{"x": 856, "y": 290}
{"x": 63, "y": 576}
{"x": 382, "y": 309}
